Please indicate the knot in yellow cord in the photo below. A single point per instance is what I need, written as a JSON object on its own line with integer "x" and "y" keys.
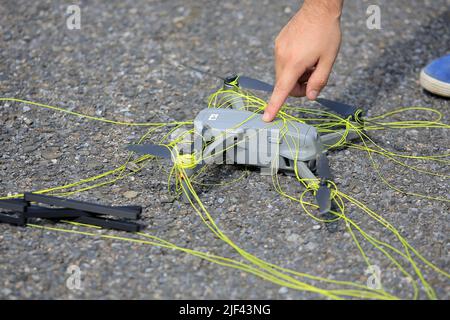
{"x": 185, "y": 161}
{"x": 358, "y": 117}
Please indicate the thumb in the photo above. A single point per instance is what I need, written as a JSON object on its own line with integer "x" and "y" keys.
{"x": 283, "y": 87}
{"x": 318, "y": 79}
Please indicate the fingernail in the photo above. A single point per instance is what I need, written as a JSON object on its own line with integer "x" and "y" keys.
{"x": 313, "y": 94}
{"x": 266, "y": 117}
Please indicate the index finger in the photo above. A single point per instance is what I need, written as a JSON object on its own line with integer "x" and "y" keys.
{"x": 283, "y": 87}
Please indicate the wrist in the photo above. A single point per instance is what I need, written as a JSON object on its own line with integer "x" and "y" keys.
{"x": 323, "y": 9}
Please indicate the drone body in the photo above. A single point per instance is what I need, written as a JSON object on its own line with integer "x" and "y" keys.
{"x": 242, "y": 137}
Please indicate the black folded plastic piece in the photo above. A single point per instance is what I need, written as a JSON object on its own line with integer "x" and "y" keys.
{"x": 81, "y": 217}
{"x": 53, "y": 213}
{"x": 138, "y": 209}
{"x": 130, "y": 212}
{"x": 17, "y": 219}
{"x": 109, "y": 224}
{"x": 18, "y": 205}
{"x": 19, "y": 210}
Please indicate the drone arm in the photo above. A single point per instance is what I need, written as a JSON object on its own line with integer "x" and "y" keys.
{"x": 331, "y": 139}
{"x": 237, "y": 103}
{"x": 234, "y": 100}
{"x": 305, "y": 173}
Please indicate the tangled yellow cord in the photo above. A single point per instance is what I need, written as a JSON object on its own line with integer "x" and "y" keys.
{"x": 325, "y": 122}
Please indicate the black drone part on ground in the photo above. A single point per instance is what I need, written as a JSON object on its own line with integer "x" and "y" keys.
{"x": 20, "y": 210}
{"x": 16, "y": 208}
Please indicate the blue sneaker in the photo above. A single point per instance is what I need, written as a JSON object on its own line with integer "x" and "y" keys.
{"x": 435, "y": 77}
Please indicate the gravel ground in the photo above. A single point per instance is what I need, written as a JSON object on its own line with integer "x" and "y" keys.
{"x": 119, "y": 65}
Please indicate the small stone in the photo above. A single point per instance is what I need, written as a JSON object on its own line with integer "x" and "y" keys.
{"x": 221, "y": 200}
{"x": 166, "y": 199}
{"x": 26, "y": 109}
{"x": 30, "y": 148}
{"x": 132, "y": 166}
{"x": 7, "y": 36}
{"x": 28, "y": 121}
{"x": 178, "y": 21}
{"x": 311, "y": 246}
{"x": 293, "y": 238}
{"x": 130, "y": 194}
{"x": 254, "y": 42}
{"x": 6, "y": 292}
{"x": 94, "y": 165}
{"x": 317, "y": 227}
{"x": 283, "y": 290}
{"x": 51, "y": 153}
{"x": 287, "y": 10}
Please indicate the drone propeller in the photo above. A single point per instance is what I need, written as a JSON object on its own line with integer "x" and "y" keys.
{"x": 156, "y": 150}
{"x": 345, "y": 110}
{"x": 323, "y": 167}
{"x": 323, "y": 195}
{"x": 323, "y": 198}
{"x": 254, "y": 84}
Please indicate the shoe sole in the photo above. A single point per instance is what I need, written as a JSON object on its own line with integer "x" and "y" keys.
{"x": 434, "y": 86}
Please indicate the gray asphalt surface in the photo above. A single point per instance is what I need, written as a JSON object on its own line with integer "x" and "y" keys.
{"x": 119, "y": 66}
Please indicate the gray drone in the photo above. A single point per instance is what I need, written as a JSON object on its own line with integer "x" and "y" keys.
{"x": 236, "y": 136}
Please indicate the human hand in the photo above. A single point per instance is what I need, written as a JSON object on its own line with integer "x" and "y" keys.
{"x": 305, "y": 51}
